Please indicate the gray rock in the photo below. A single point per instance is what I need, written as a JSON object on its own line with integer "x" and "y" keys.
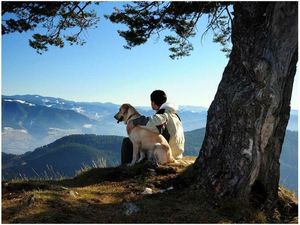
{"x": 130, "y": 208}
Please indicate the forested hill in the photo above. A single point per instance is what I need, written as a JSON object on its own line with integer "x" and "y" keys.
{"x": 69, "y": 154}
{"x": 64, "y": 157}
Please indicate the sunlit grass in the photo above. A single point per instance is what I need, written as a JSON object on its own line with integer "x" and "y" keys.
{"x": 100, "y": 195}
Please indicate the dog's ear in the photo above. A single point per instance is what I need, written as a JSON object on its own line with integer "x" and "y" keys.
{"x": 126, "y": 108}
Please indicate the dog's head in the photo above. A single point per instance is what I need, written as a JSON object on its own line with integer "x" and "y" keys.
{"x": 123, "y": 113}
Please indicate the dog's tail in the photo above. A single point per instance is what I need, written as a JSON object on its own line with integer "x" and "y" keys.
{"x": 168, "y": 157}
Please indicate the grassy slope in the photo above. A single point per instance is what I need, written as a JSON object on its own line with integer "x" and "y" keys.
{"x": 103, "y": 196}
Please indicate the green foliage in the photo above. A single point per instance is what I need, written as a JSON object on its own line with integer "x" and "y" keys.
{"x": 54, "y": 18}
{"x": 221, "y": 26}
{"x": 145, "y": 19}
{"x": 181, "y": 47}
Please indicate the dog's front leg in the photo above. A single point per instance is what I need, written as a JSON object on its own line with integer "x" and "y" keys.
{"x": 142, "y": 156}
{"x": 135, "y": 153}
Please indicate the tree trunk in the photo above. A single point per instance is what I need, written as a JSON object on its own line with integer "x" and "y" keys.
{"x": 247, "y": 120}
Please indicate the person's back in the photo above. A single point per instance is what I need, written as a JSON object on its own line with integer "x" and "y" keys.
{"x": 168, "y": 116}
{"x": 165, "y": 121}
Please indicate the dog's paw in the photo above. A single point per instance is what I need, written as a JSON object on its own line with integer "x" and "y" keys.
{"x": 152, "y": 164}
{"x": 130, "y": 164}
{"x": 140, "y": 160}
{"x": 176, "y": 162}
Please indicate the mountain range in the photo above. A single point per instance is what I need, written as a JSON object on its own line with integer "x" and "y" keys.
{"x": 70, "y": 154}
{"x": 31, "y": 121}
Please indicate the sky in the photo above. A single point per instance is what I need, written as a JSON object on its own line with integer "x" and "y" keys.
{"x": 103, "y": 71}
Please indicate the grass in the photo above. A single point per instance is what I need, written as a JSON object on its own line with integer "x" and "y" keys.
{"x": 105, "y": 195}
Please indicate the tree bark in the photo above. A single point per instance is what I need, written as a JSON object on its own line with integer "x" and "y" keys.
{"x": 246, "y": 123}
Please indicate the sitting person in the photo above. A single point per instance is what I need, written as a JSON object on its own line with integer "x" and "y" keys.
{"x": 165, "y": 121}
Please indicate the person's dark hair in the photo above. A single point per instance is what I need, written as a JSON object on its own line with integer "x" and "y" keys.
{"x": 159, "y": 97}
